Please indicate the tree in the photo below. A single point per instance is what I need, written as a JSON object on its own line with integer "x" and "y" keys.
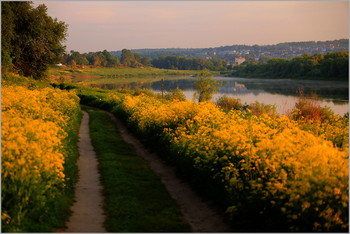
{"x": 72, "y": 63}
{"x": 205, "y": 86}
{"x": 97, "y": 59}
{"x": 31, "y": 40}
{"x": 111, "y": 60}
{"x": 7, "y": 35}
{"x": 78, "y": 58}
{"x": 331, "y": 66}
{"x": 146, "y": 62}
{"x": 183, "y": 63}
{"x": 130, "y": 59}
{"x": 126, "y": 57}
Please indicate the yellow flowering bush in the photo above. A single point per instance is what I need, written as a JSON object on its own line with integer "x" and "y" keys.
{"x": 335, "y": 129}
{"x": 152, "y": 112}
{"x": 321, "y": 121}
{"x": 268, "y": 166}
{"x": 34, "y": 126}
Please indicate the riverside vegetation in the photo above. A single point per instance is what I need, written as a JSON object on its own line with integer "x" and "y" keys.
{"x": 39, "y": 165}
{"x": 65, "y": 73}
{"x": 39, "y": 123}
{"x": 279, "y": 173}
{"x": 268, "y": 172}
{"x": 39, "y": 152}
{"x": 330, "y": 66}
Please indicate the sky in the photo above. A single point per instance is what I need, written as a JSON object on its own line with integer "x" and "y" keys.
{"x": 115, "y": 25}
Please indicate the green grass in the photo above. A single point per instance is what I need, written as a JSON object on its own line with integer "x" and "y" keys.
{"x": 117, "y": 72}
{"x": 18, "y": 80}
{"x": 121, "y": 80}
{"x": 135, "y": 198}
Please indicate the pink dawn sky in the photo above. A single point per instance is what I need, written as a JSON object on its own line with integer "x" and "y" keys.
{"x": 114, "y": 25}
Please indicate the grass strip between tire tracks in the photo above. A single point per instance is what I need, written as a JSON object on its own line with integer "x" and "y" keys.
{"x": 135, "y": 198}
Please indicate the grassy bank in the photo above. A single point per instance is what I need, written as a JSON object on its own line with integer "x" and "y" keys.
{"x": 135, "y": 199}
{"x": 121, "y": 80}
{"x": 116, "y": 72}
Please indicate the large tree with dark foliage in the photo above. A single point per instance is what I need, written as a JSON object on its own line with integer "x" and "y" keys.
{"x": 31, "y": 40}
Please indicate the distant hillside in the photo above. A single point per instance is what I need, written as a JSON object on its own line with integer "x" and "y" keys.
{"x": 286, "y": 50}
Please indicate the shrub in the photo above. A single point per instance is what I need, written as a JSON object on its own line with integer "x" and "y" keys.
{"x": 35, "y": 125}
{"x": 205, "y": 86}
{"x": 309, "y": 109}
{"x": 274, "y": 174}
{"x": 321, "y": 121}
{"x": 259, "y": 108}
{"x": 229, "y": 103}
{"x": 175, "y": 94}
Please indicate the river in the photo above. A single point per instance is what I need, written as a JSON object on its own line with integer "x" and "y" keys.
{"x": 280, "y": 92}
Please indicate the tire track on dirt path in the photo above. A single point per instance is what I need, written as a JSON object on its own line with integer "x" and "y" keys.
{"x": 196, "y": 212}
{"x": 88, "y": 214}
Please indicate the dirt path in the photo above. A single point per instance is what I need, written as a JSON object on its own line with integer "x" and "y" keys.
{"x": 87, "y": 210}
{"x": 196, "y": 212}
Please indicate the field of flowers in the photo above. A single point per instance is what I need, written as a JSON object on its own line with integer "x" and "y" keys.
{"x": 37, "y": 127}
{"x": 271, "y": 173}
{"x": 273, "y": 170}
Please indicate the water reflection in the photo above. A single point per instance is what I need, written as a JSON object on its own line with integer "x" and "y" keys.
{"x": 131, "y": 85}
{"x": 280, "y": 92}
{"x": 337, "y": 91}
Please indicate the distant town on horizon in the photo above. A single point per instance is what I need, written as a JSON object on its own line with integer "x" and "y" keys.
{"x": 285, "y": 50}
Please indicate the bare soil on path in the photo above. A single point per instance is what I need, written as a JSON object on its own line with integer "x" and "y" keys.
{"x": 197, "y": 213}
{"x": 88, "y": 213}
